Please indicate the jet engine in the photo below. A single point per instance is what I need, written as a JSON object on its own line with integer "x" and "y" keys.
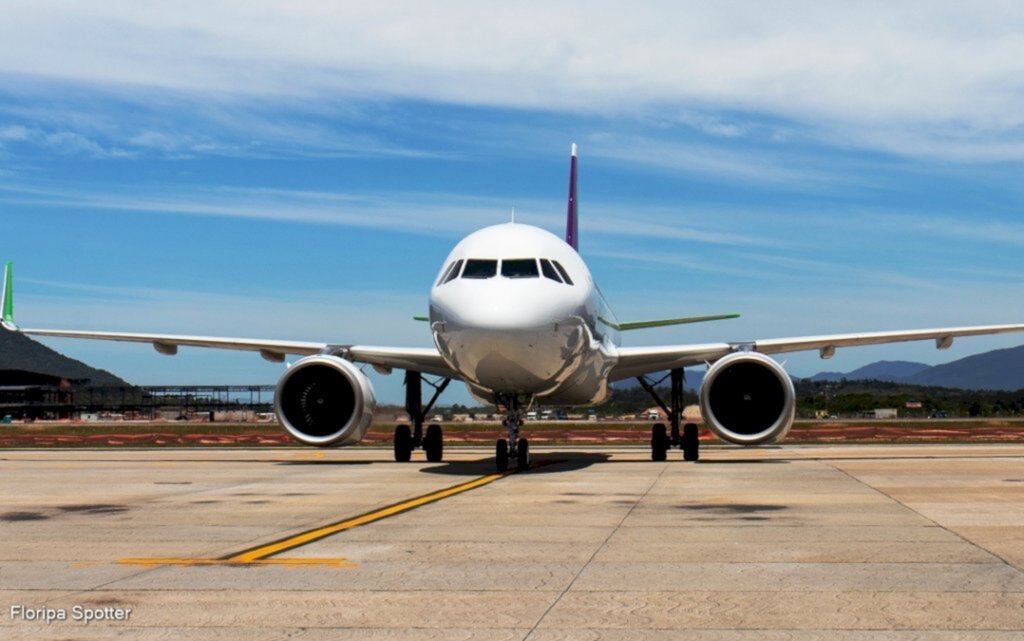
{"x": 325, "y": 400}
{"x": 748, "y": 399}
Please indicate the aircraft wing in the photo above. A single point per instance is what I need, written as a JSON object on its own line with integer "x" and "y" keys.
{"x": 426, "y": 360}
{"x": 635, "y": 361}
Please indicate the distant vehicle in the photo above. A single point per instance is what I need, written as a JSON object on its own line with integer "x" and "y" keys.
{"x": 7, "y": 419}
{"x": 938, "y": 414}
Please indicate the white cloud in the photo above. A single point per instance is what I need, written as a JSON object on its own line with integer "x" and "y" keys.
{"x": 429, "y": 214}
{"x": 16, "y": 133}
{"x": 738, "y": 164}
{"x": 981, "y": 227}
{"x": 939, "y": 74}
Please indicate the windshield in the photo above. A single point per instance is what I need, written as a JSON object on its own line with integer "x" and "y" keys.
{"x": 480, "y": 268}
{"x": 519, "y": 268}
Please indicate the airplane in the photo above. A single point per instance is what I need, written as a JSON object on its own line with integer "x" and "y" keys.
{"x": 515, "y": 314}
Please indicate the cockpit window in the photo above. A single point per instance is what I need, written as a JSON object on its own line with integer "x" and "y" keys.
{"x": 480, "y": 268}
{"x": 444, "y": 274}
{"x": 519, "y": 268}
{"x": 453, "y": 272}
{"x": 549, "y": 271}
{"x": 561, "y": 270}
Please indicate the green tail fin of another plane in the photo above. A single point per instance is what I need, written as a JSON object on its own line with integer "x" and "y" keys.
{"x": 8, "y": 296}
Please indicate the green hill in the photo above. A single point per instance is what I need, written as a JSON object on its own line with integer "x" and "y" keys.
{"x": 20, "y": 353}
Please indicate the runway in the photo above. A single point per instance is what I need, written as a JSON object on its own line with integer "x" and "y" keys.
{"x": 802, "y": 542}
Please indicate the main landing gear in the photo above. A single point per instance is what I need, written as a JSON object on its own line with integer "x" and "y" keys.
{"x": 661, "y": 439}
{"x": 407, "y": 439}
{"x": 513, "y": 447}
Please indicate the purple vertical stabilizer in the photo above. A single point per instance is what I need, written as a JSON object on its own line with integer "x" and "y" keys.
{"x": 571, "y": 224}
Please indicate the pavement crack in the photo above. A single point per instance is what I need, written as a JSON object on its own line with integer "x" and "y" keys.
{"x": 597, "y": 551}
{"x": 892, "y": 498}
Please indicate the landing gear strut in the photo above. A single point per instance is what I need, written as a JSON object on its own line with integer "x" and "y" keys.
{"x": 661, "y": 440}
{"x": 406, "y": 439}
{"x": 512, "y": 447}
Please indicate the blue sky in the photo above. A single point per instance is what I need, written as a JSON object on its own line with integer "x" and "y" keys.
{"x": 300, "y": 170}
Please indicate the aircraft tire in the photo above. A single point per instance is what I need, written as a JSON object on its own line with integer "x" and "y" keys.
{"x": 501, "y": 455}
{"x": 523, "y": 455}
{"x": 659, "y": 442}
{"x": 691, "y": 443}
{"x": 403, "y": 443}
{"x": 433, "y": 444}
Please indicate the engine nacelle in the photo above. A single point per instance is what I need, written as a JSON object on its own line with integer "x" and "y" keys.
{"x": 748, "y": 399}
{"x": 325, "y": 400}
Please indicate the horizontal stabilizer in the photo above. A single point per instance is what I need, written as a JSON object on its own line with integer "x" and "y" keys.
{"x": 665, "y": 322}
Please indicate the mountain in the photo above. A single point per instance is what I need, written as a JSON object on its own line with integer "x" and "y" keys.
{"x": 20, "y": 353}
{"x": 1001, "y": 369}
{"x": 878, "y": 371}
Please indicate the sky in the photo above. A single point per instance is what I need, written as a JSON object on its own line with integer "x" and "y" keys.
{"x": 300, "y": 170}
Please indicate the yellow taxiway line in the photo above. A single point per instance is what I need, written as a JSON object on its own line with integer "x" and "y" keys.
{"x": 338, "y": 562}
{"x": 259, "y": 555}
{"x": 363, "y": 519}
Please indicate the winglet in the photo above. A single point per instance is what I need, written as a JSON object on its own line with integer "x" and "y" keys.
{"x": 7, "y": 304}
{"x": 572, "y": 234}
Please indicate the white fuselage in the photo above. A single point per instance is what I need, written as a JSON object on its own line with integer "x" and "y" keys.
{"x": 520, "y": 315}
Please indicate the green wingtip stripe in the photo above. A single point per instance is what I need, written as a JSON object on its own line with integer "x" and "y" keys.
{"x": 8, "y": 294}
{"x": 421, "y": 318}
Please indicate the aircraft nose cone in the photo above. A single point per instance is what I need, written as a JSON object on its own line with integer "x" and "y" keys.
{"x": 508, "y": 315}
{"x": 514, "y": 306}
{"x": 510, "y": 343}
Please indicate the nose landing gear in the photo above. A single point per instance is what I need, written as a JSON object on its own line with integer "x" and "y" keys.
{"x": 513, "y": 447}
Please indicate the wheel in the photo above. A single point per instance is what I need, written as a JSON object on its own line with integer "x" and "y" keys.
{"x": 523, "y": 455}
{"x": 691, "y": 442}
{"x": 433, "y": 444}
{"x": 659, "y": 442}
{"x": 501, "y": 455}
{"x": 403, "y": 444}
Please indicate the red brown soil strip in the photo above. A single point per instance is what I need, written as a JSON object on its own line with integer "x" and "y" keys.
{"x": 58, "y": 440}
{"x": 589, "y": 435}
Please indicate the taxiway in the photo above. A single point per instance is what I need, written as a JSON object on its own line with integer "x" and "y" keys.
{"x": 800, "y": 542}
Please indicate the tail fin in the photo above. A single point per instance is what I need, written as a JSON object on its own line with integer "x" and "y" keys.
{"x": 7, "y": 299}
{"x": 572, "y": 233}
